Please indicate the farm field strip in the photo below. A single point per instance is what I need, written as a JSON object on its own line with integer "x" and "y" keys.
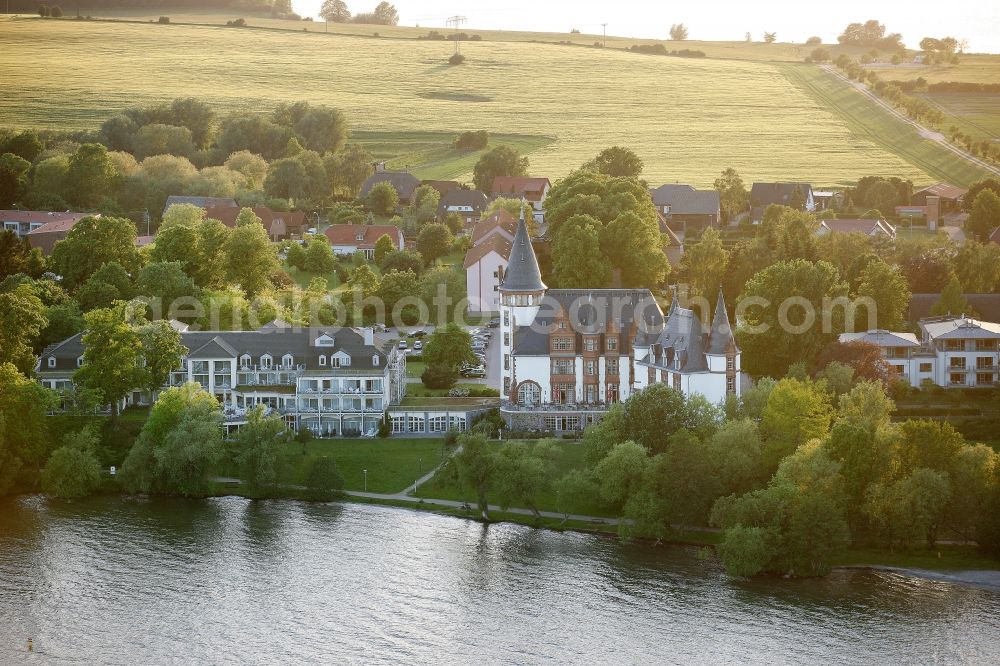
{"x": 688, "y": 119}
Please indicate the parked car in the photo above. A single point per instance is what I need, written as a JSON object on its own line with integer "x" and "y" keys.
{"x": 419, "y": 334}
{"x": 478, "y": 346}
{"x": 402, "y": 344}
{"x": 473, "y": 371}
{"x": 417, "y": 345}
{"x": 494, "y": 323}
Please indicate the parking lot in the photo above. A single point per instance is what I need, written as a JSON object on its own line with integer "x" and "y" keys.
{"x": 491, "y": 352}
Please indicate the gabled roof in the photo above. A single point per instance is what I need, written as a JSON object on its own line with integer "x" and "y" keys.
{"x": 682, "y": 333}
{"x": 495, "y": 243}
{"x": 472, "y": 198}
{"x": 882, "y": 338}
{"x": 522, "y": 272}
{"x": 531, "y": 188}
{"x": 685, "y": 200}
{"x": 673, "y": 240}
{"x": 443, "y": 186}
{"x": 867, "y": 227}
{"x": 943, "y": 190}
{"x": 214, "y": 348}
{"x": 347, "y": 235}
{"x": 404, "y": 183}
{"x": 275, "y": 222}
{"x": 500, "y": 220}
{"x": 41, "y": 216}
{"x": 765, "y": 194}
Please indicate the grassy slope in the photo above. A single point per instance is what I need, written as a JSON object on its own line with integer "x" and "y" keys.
{"x": 866, "y": 119}
{"x": 688, "y": 119}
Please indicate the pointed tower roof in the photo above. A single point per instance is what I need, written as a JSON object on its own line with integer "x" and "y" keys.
{"x": 522, "y": 272}
{"x": 721, "y": 336}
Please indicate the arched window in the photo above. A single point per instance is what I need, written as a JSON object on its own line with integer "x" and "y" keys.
{"x": 528, "y": 393}
{"x": 287, "y": 360}
{"x": 245, "y": 361}
{"x": 265, "y": 361}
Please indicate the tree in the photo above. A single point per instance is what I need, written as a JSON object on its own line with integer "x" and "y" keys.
{"x": 683, "y": 477}
{"x": 770, "y": 37}
{"x": 91, "y": 175}
{"x": 424, "y": 203}
{"x": 796, "y": 412}
{"x": 93, "y": 242}
{"x": 319, "y": 256}
{"x": 22, "y": 318}
{"x": 213, "y": 237}
{"x": 251, "y": 166}
{"x": 395, "y": 286}
{"x": 634, "y": 245}
{"x": 736, "y": 454}
{"x": 245, "y": 131}
{"x": 403, "y": 260}
{"x": 386, "y": 14}
{"x": 178, "y": 446}
{"x": 620, "y": 474}
{"x": 678, "y": 32}
{"x": 165, "y": 281}
{"x": 887, "y": 288}
{"x": 335, "y": 11}
{"x": 323, "y": 129}
{"x": 733, "y": 195}
{"x": 23, "y": 424}
{"x": 112, "y": 355}
{"x": 617, "y": 161}
{"x": 17, "y": 256}
{"x": 992, "y": 184}
{"x": 296, "y": 256}
{"x": 162, "y": 351}
{"x": 323, "y": 480}
{"x": 952, "y": 301}
{"x": 250, "y": 257}
{"x": 475, "y": 465}
{"x": 500, "y": 161}
{"x": 449, "y": 346}
{"x": 797, "y": 316}
{"x": 383, "y": 246}
{"x": 348, "y": 169}
{"x": 73, "y": 469}
{"x": 704, "y": 264}
{"x": 434, "y": 241}
{"x": 13, "y": 178}
{"x": 650, "y": 416}
{"x": 578, "y": 262}
{"x": 977, "y": 266}
{"x": 523, "y": 472}
{"x": 985, "y": 215}
{"x": 910, "y": 509}
{"x": 159, "y": 139}
{"x": 108, "y": 284}
{"x": 25, "y": 145}
{"x": 383, "y": 199}
{"x": 259, "y": 442}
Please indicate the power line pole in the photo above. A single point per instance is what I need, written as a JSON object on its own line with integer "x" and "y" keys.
{"x": 456, "y": 21}
{"x": 605, "y": 26}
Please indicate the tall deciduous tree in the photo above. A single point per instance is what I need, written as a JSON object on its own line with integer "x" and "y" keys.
{"x": 383, "y": 246}
{"x": 335, "y": 11}
{"x": 634, "y": 245}
{"x": 888, "y": 290}
{"x": 73, "y": 470}
{"x": 93, "y": 242}
{"x": 319, "y": 255}
{"x": 22, "y": 318}
{"x": 112, "y": 356}
{"x": 985, "y": 215}
{"x": 796, "y": 412}
{"x": 91, "y": 175}
{"x": 617, "y": 161}
{"x": 578, "y": 262}
{"x": 434, "y": 241}
{"x": 733, "y": 195}
{"x": 348, "y": 169}
{"x": 500, "y": 161}
{"x": 162, "y": 351}
{"x": 383, "y": 199}
{"x": 704, "y": 264}
{"x": 13, "y": 178}
{"x": 23, "y": 424}
{"x": 250, "y": 257}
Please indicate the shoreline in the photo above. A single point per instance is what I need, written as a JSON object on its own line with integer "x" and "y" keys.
{"x": 983, "y": 579}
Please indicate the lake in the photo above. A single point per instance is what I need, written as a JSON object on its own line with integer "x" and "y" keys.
{"x": 135, "y": 581}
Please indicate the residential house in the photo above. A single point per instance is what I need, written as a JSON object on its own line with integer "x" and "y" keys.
{"x": 23, "y": 222}
{"x": 500, "y": 222}
{"x": 404, "y": 182}
{"x": 280, "y": 225}
{"x": 443, "y": 187}
{"x": 568, "y": 354}
{"x": 200, "y": 202}
{"x": 469, "y": 204}
{"x": 532, "y": 190}
{"x": 47, "y": 235}
{"x": 870, "y": 228}
{"x": 351, "y": 238}
{"x": 949, "y": 196}
{"x": 674, "y": 246}
{"x": 686, "y": 208}
{"x": 952, "y": 352}
{"x": 825, "y": 199}
{"x": 485, "y": 264}
{"x": 763, "y": 195}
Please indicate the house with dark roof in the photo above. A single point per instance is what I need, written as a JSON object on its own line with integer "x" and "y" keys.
{"x": 469, "y": 204}
{"x": 568, "y": 354}
{"x": 532, "y": 190}
{"x": 200, "y": 202}
{"x": 404, "y": 182}
{"x": 949, "y": 197}
{"x": 443, "y": 187}
{"x": 686, "y": 208}
{"x": 763, "y": 195}
{"x": 280, "y": 225}
{"x": 351, "y": 238}
{"x": 331, "y": 381}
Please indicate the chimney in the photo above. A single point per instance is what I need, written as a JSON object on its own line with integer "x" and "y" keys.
{"x": 369, "y": 335}
{"x": 933, "y": 212}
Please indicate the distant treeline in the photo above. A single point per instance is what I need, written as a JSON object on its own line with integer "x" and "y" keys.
{"x": 660, "y": 49}
{"x": 85, "y": 6}
{"x": 434, "y": 35}
{"x": 947, "y": 86}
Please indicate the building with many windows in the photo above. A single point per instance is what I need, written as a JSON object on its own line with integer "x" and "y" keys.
{"x": 951, "y": 352}
{"x": 567, "y": 355}
{"x": 331, "y": 381}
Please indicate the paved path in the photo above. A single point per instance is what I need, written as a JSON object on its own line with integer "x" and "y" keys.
{"x": 930, "y": 134}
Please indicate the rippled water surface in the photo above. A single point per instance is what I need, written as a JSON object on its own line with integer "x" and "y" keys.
{"x": 135, "y": 581}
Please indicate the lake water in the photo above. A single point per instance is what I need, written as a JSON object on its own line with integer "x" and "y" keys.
{"x": 138, "y": 581}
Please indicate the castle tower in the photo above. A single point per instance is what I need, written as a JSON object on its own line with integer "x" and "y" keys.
{"x": 722, "y": 354}
{"x": 522, "y": 288}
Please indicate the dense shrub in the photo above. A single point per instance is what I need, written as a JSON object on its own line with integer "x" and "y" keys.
{"x": 456, "y": 59}
{"x": 476, "y": 140}
{"x": 164, "y": 19}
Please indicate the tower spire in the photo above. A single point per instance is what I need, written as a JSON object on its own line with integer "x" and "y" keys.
{"x": 522, "y": 272}
{"x": 721, "y": 337}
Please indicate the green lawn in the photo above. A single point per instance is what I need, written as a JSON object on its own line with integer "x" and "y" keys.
{"x": 955, "y": 558}
{"x": 871, "y": 124}
{"x": 421, "y": 391}
{"x": 444, "y": 486}
{"x": 392, "y": 463}
{"x": 302, "y": 278}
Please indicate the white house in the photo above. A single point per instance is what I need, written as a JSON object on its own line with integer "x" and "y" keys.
{"x": 871, "y": 228}
{"x": 485, "y": 264}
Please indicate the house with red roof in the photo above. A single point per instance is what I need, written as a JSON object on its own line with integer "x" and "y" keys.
{"x": 47, "y": 235}
{"x": 500, "y": 222}
{"x": 280, "y": 225}
{"x": 23, "y": 222}
{"x": 532, "y": 190}
{"x": 350, "y": 238}
{"x": 485, "y": 265}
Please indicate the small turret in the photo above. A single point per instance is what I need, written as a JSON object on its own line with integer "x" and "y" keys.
{"x": 522, "y": 288}
{"x": 721, "y": 340}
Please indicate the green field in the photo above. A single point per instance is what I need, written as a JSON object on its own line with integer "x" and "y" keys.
{"x": 976, "y": 114}
{"x": 870, "y": 123}
{"x": 688, "y": 119}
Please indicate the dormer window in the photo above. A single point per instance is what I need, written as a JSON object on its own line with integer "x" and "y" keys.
{"x": 245, "y": 361}
{"x": 79, "y": 361}
{"x": 324, "y": 341}
{"x": 287, "y": 360}
{"x": 52, "y": 361}
{"x": 322, "y": 359}
{"x": 266, "y": 360}
{"x": 360, "y": 236}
